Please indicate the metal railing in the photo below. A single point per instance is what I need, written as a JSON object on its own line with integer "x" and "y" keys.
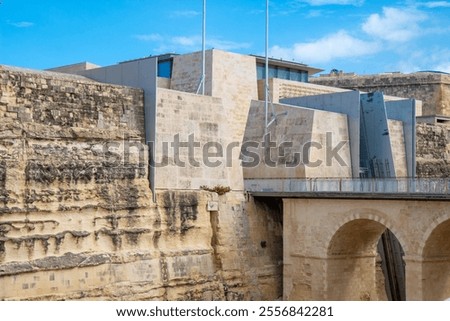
{"x": 432, "y": 186}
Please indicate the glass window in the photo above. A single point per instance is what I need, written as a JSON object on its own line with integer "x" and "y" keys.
{"x": 165, "y": 69}
{"x": 295, "y": 75}
{"x": 260, "y": 71}
{"x": 273, "y": 72}
{"x": 298, "y": 75}
{"x": 281, "y": 72}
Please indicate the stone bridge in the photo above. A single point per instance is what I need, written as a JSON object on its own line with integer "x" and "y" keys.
{"x": 331, "y": 229}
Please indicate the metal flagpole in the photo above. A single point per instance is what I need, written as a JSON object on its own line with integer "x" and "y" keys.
{"x": 203, "y": 47}
{"x": 266, "y": 85}
{"x": 201, "y": 83}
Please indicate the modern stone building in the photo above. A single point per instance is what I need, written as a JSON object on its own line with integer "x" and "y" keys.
{"x": 122, "y": 183}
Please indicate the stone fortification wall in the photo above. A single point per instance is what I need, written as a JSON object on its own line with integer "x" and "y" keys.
{"x": 433, "y": 89}
{"x": 77, "y": 219}
{"x": 433, "y": 150}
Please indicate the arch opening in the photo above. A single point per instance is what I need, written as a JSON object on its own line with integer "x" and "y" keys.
{"x": 436, "y": 264}
{"x": 393, "y": 266}
{"x": 359, "y": 266}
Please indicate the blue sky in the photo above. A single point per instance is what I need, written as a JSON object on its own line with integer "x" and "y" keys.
{"x": 350, "y": 35}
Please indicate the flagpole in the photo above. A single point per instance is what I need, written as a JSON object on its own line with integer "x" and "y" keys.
{"x": 203, "y": 47}
{"x": 201, "y": 83}
{"x": 266, "y": 85}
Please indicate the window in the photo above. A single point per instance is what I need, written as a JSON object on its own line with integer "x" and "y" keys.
{"x": 165, "y": 68}
{"x": 260, "y": 71}
{"x": 298, "y": 75}
{"x": 281, "y": 73}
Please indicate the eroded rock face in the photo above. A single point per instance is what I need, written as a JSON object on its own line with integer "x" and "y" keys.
{"x": 76, "y": 213}
{"x": 433, "y": 150}
{"x": 181, "y": 210}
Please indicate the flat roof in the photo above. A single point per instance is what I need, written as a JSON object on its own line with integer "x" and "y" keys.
{"x": 80, "y": 66}
{"x": 288, "y": 64}
{"x": 162, "y": 57}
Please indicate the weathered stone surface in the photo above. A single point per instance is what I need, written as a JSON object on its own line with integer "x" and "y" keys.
{"x": 66, "y": 261}
{"x": 433, "y": 150}
{"x": 2, "y": 174}
{"x": 77, "y": 219}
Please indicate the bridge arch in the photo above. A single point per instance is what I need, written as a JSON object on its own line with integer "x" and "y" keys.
{"x": 371, "y": 215}
{"x": 353, "y": 263}
{"x": 436, "y": 260}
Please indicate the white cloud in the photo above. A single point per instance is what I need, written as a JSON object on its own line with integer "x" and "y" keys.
{"x": 22, "y": 24}
{"x": 445, "y": 67}
{"x": 435, "y": 4}
{"x": 182, "y": 43}
{"x": 196, "y": 41}
{"x": 406, "y": 67}
{"x": 149, "y": 37}
{"x": 187, "y": 41}
{"x": 434, "y": 58}
{"x": 330, "y": 2}
{"x": 439, "y": 60}
{"x": 337, "y": 45}
{"x": 227, "y": 45}
{"x": 396, "y": 25}
{"x": 314, "y": 14}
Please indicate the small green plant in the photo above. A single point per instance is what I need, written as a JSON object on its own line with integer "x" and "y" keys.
{"x": 219, "y": 189}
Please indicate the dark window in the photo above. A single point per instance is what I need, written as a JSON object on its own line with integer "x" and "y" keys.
{"x": 298, "y": 75}
{"x": 260, "y": 71}
{"x": 165, "y": 69}
{"x": 281, "y": 73}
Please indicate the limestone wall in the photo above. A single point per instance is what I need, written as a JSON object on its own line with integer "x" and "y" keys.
{"x": 232, "y": 77}
{"x": 398, "y": 147}
{"x": 281, "y": 88}
{"x": 433, "y": 89}
{"x": 187, "y": 72}
{"x": 433, "y": 150}
{"x": 68, "y": 196}
{"x": 77, "y": 219}
{"x": 198, "y": 124}
{"x": 301, "y": 141}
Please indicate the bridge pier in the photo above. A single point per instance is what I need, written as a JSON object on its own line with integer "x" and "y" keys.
{"x": 414, "y": 291}
{"x": 304, "y": 278}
